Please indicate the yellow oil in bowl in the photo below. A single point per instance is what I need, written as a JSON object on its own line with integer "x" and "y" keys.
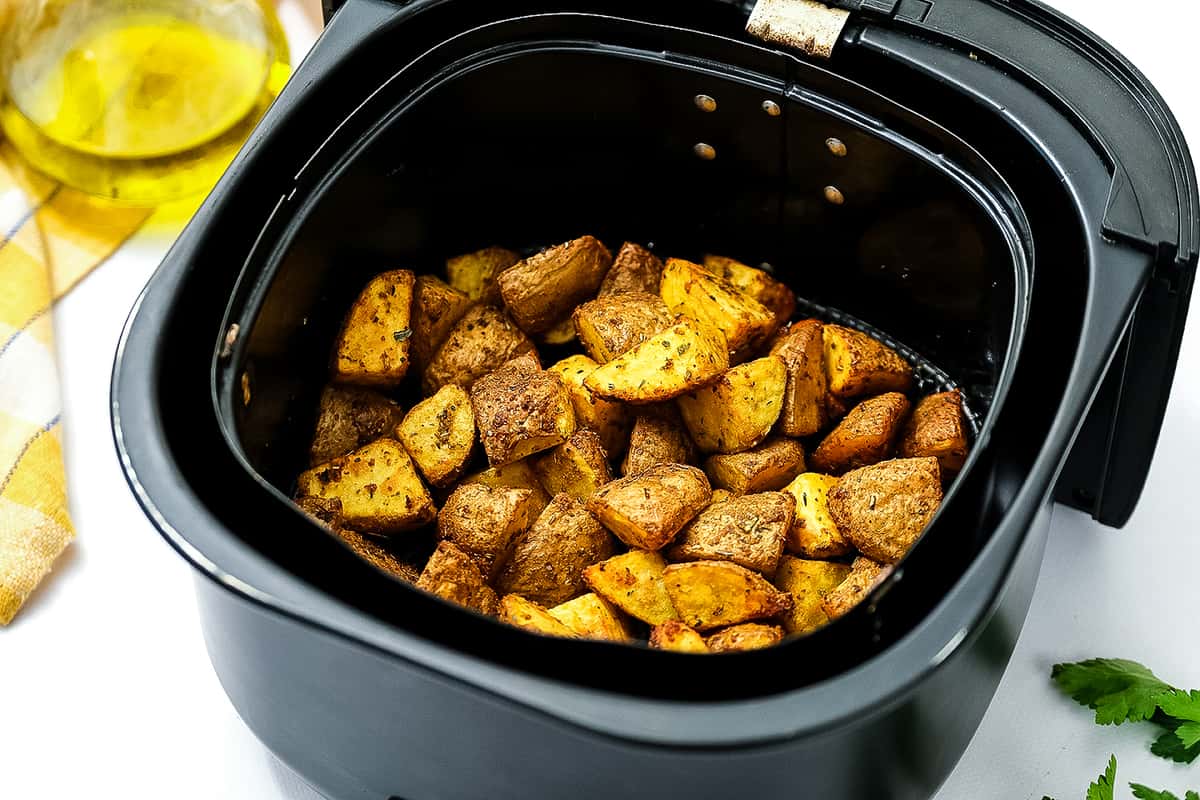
{"x": 142, "y": 103}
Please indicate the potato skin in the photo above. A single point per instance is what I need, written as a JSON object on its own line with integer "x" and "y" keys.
{"x": 635, "y": 269}
{"x": 531, "y": 616}
{"x": 770, "y": 466}
{"x": 372, "y": 347}
{"x": 436, "y": 308}
{"x": 607, "y": 418}
{"x": 936, "y": 429}
{"x": 578, "y": 466}
{"x": 736, "y": 412}
{"x": 452, "y": 575}
{"x": 814, "y": 534}
{"x": 693, "y": 290}
{"x": 483, "y": 340}
{"x": 328, "y": 514}
{"x": 548, "y": 561}
{"x": 377, "y": 485}
{"x": 687, "y": 356}
{"x": 674, "y": 635}
{"x": 484, "y": 522}
{"x": 802, "y": 348}
{"x": 866, "y": 436}
{"x": 348, "y": 418}
{"x": 808, "y": 582}
{"x": 857, "y": 365}
{"x": 474, "y": 274}
{"x": 884, "y": 508}
{"x": 520, "y": 410}
{"x": 592, "y": 617}
{"x": 757, "y": 283}
{"x": 543, "y": 289}
{"x": 747, "y": 636}
{"x": 748, "y": 531}
{"x": 864, "y": 576}
{"x": 658, "y": 437}
{"x": 517, "y": 475}
{"x": 612, "y": 325}
{"x": 439, "y": 433}
{"x": 713, "y": 594}
{"x": 633, "y": 582}
{"x": 647, "y": 510}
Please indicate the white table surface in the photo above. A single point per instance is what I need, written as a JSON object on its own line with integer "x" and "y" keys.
{"x": 106, "y": 689}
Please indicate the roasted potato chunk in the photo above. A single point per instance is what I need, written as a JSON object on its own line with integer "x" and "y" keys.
{"x": 866, "y": 436}
{"x": 559, "y": 333}
{"x": 633, "y": 582}
{"x": 474, "y": 274}
{"x": 884, "y": 508}
{"x": 691, "y": 289}
{"x": 814, "y": 533}
{"x": 647, "y": 510}
{"x": 737, "y": 411}
{"x": 372, "y": 348}
{"x": 328, "y": 513}
{"x": 377, "y": 485}
{"x": 453, "y": 575}
{"x": 521, "y": 409}
{"x": 578, "y": 466}
{"x": 543, "y": 289}
{"x": 612, "y": 325}
{"x": 770, "y": 466}
{"x": 592, "y": 617}
{"x": 808, "y": 582}
{"x": 522, "y": 613}
{"x": 674, "y": 635}
{"x": 936, "y": 429}
{"x": 864, "y": 576}
{"x": 721, "y": 496}
{"x": 802, "y": 349}
{"x": 348, "y": 418}
{"x": 484, "y": 339}
{"x": 485, "y": 521}
{"x": 685, "y": 357}
{"x": 438, "y": 433}
{"x": 747, "y": 636}
{"x": 748, "y": 530}
{"x": 635, "y": 269}
{"x": 857, "y": 365}
{"x": 607, "y": 418}
{"x": 713, "y": 594}
{"x": 757, "y": 283}
{"x": 658, "y": 437}
{"x": 548, "y": 561}
{"x": 517, "y": 475}
{"x": 436, "y": 309}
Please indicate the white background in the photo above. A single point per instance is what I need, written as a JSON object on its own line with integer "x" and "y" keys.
{"x": 106, "y": 690}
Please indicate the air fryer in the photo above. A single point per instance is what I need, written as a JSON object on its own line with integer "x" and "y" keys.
{"x": 1017, "y": 213}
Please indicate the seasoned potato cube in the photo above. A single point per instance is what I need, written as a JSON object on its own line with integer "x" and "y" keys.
{"x": 543, "y": 289}
{"x": 605, "y": 417}
{"x": 484, "y": 522}
{"x": 688, "y": 355}
{"x": 633, "y": 582}
{"x": 647, "y": 510}
{"x": 690, "y": 289}
{"x": 674, "y": 635}
{"x": 436, "y": 309}
{"x": 377, "y": 485}
{"x": 612, "y": 325}
{"x": 884, "y": 508}
{"x": 713, "y": 594}
{"x": 517, "y": 475}
{"x": 328, "y": 513}
{"x": 474, "y": 274}
{"x": 520, "y": 410}
{"x": 866, "y": 436}
{"x": 438, "y": 433}
{"x": 522, "y": 613}
{"x": 635, "y": 269}
{"x": 757, "y": 283}
{"x": 548, "y": 561}
{"x": 452, "y": 575}
{"x": 721, "y": 496}
{"x": 936, "y": 429}
{"x": 592, "y": 617}
{"x": 803, "y": 352}
{"x": 349, "y": 418}
{"x": 808, "y": 582}
{"x": 560, "y": 332}
{"x": 814, "y": 533}
{"x": 770, "y": 466}
{"x": 372, "y": 348}
{"x": 864, "y": 576}
{"x": 578, "y": 466}
{"x": 325, "y": 511}
{"x": 483, "y": 340}
{"x": 747, "y": 636}
{"x": 658, "y": 437}
{"x": 748, "y": 530}
{"x": 737, "y": 411}
{"x": 856, "y": 364}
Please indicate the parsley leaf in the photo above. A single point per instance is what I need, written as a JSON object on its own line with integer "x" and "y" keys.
{"x": 1102, "y": 789}
{"x": 1171, "y": 747}
{"x": 1185, "y": 707}
{"x": 1146, "y": 793}
{"x": 1116, "y": 689}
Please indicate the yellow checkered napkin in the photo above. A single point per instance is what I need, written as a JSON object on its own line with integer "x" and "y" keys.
{"x": 50, "y": 237}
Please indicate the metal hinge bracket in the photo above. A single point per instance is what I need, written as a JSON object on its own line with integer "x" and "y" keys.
{"x": 805, "y": 25}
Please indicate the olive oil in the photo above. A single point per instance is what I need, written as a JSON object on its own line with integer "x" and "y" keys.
{"x": 143, "y": 107}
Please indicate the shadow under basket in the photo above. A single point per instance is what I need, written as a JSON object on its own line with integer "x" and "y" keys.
{"x": 1027, "y": 234}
